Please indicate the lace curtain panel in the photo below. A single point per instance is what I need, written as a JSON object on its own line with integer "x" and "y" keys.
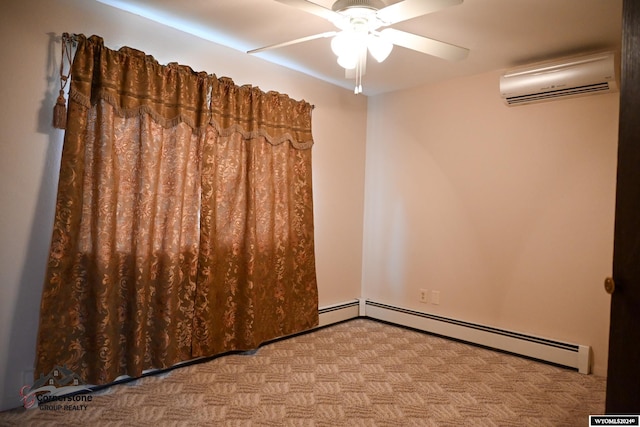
{"x": 184, "y": 219}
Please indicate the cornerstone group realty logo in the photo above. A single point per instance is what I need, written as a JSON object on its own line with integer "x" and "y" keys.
{"x": 57, "y": 391}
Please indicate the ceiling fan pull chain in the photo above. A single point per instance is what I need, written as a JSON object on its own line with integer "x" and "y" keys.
{"x": 358, "y": 88}
{"x": 360, "y": 69}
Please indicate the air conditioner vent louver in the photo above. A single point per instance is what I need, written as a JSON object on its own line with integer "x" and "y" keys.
{"x": 577, "y": 76}
{"x": 580, "y": 90}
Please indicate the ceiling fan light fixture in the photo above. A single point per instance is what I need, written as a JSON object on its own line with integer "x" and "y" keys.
{"x": 379, "y": 47}
{"x": 348, "y": 61}
{"x": 345, "y": 42}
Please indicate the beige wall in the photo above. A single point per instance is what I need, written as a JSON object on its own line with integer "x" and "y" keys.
{"x": 508, "y": 212}
{"x": 30, "y": 152}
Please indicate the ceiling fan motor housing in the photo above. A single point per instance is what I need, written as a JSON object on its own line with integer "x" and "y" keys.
{"x": 342, "y": 5}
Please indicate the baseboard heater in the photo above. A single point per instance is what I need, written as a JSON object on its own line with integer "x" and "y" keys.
{"x": 565, "y": 354}
{"x": 338, "y": 313}
{"x": 559, "y": 353}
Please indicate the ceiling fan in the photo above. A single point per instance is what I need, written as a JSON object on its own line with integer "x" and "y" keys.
{"x": 363, "y": 26}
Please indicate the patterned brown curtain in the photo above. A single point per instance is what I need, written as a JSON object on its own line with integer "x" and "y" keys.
{"x": 184, "y": 219}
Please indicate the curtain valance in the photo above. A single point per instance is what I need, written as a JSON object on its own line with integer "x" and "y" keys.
{"x": 272, "y": 115}
{"x": 135, "y": 83}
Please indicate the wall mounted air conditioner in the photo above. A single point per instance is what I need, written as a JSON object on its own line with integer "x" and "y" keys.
{"x": 571, "y": 77}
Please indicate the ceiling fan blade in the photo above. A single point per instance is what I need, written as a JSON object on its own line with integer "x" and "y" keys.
{"x": 296, "y": 41}
{"x": 313, "y": 8}
{"x": 425, "y": 45}
{"x": 408, "y": 9}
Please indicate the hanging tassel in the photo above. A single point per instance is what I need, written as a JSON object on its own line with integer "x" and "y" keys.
{"x": 60, "y": 112}
{"x": 60, "y": 109}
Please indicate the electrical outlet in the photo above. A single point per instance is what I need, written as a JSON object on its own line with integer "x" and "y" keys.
{"x": 435, "y": 297}
{"x": 424, "y": 296}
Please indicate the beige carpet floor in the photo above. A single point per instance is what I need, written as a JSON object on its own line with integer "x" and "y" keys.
{"x": 358, "y": 373}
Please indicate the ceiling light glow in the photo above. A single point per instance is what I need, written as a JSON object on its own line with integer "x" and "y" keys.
{"x": 379, "y": 47}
